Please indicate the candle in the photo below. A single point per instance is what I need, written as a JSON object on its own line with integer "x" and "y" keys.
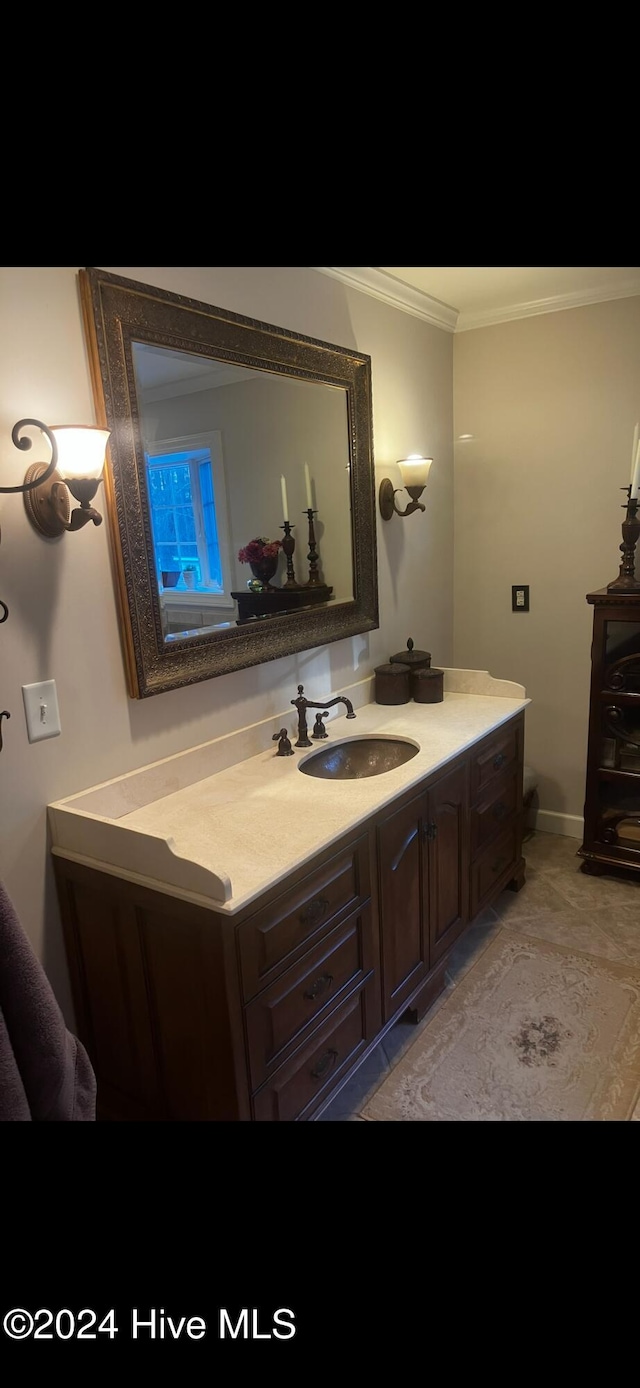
{"x": 635, "y": 476}
{"x": 634, "y": 450}
{"x": 285, "y": 504}
{"x": 308, "y": 486}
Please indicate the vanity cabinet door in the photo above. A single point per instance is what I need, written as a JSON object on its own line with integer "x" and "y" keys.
{"x": 447, "y": 834}
{"x": 496, "y": 816}
{"x": 423, "y": 865}
{"x": 403, "y": 882}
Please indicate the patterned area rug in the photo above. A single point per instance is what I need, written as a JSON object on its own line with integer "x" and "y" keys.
{"x": 534, "y": 1032}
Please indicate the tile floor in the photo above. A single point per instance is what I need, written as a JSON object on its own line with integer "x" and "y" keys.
{"x": 598, "y": 915}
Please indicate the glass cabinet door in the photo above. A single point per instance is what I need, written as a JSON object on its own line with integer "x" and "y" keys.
{"x": 622, "y": 657}
{"x": 620, "y": 741}
{"x": 619, "y": 815}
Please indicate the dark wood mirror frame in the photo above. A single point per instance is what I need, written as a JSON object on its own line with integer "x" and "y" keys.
{"x": 119, "y": 311}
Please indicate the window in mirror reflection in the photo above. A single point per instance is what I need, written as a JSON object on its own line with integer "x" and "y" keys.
{"x": 183, "y": 517}
{"x": 187, "y": 491}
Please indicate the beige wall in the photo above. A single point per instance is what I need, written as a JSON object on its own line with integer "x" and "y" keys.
{"x": 62, "y": 622}
{"x": 551, "y": 402}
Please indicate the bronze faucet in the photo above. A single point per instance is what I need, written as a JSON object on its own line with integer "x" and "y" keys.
{"x": 303, "y": 704}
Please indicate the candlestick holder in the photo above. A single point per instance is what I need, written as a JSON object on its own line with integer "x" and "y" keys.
{"x": 288, "y": 545}
{"x": 626, "y": 582}
{"x": 313, "y": 580}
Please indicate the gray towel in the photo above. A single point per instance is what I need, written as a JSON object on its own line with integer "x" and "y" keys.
{"x": 45, "y": 1072}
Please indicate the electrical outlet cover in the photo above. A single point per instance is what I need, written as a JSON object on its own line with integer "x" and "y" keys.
{"x": 520, "y": 597}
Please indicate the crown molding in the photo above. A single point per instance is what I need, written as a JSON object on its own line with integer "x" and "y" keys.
{"x": 576, "y": 299}
{"x": 405, "y": 297}
{"x": 394, "y": 292}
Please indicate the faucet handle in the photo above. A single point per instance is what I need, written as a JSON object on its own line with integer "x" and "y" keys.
{"x": 319, "y": 729}
{"x": 284, "y": 745}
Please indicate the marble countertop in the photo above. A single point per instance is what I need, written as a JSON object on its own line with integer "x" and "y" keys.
{"x": 225, "y": 838}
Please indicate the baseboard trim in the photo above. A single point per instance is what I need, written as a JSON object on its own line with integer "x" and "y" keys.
{"x": 551, "y": 822}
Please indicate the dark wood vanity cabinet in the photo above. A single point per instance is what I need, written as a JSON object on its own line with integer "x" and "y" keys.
{"x": 612, "y": 794}
{"x": 424, "y": 883}
{"x": 189, "y": 1015}
{"x": 447, "y": 836}
{"x": 496, "y": 772}
{"x": 404, "y": 915}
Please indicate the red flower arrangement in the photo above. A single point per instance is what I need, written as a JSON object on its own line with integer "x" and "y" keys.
{"x": 259, "y": 549}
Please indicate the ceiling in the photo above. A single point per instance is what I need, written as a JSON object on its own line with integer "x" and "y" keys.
{"x": 460, "y": 297}
{"x": 162, "y": 373}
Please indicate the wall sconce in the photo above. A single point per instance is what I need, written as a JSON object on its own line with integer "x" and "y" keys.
{"x": 76, "y": 466}
{"x": 414, "y": 472}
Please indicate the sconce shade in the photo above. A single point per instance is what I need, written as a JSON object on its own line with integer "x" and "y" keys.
{"x": 414, "y": 470}
{"x": 81, "y": 451}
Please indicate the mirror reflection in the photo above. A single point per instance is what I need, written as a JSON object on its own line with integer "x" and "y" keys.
{"x": 230, "y": 455}
{"x": 218, "y": 425}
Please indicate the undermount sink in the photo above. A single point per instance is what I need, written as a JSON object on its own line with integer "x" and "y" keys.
{"x": 359, "y": 757}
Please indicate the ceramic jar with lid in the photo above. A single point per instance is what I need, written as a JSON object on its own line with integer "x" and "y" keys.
{"x": 392, "y": 684}
{"x": 427, "y": 685}
{"x": 414, "y": 659}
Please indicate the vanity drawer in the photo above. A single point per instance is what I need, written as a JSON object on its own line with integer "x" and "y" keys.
{"x": 492, "y": 811}
{"x": 299, "y": 1086}
{"x": 283, "y": 931}
{"x": 495, "y": 757}
{"x": 279, "y": 1016}
{"x": 492, "y": 864}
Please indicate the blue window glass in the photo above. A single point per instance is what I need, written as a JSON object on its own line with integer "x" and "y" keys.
{"x": 183, "y": 517}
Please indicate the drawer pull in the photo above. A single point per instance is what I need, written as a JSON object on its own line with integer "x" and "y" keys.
{"x": 324, "y": 1066}
{"x": 499, "y": 761}
{"x": 314, "y": 911}
{"x": 500, "y": 862}
{"x": 430, "y": 831}
{"x": 500, "y": 810}
{"x": 318, "y": 986}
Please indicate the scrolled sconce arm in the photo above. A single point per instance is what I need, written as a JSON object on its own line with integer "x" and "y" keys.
{"x": 387, "y": 500}
{"x": 414, "y": 505}
{"x": 24, "y": 444}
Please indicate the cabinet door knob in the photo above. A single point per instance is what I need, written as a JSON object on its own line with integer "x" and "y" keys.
{"x": 499, "y": 761}
{"x": 324, "y": 1066}
{"x": 314, "y": 911}
{"x": 500, "y": 810}
{"x": 429, "y": 831}
{"x": 319, "y": 985}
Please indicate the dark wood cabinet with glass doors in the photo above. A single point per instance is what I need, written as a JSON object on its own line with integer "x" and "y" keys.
{"x": 612, "y": 798}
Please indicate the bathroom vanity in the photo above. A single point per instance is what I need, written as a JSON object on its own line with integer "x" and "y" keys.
{"x": 240, "y": 935}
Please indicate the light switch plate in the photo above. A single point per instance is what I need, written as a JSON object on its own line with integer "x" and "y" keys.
{"x": 41, "y": 710}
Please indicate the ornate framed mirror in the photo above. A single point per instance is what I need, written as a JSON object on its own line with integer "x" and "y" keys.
{"x": 218, "y": 424}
